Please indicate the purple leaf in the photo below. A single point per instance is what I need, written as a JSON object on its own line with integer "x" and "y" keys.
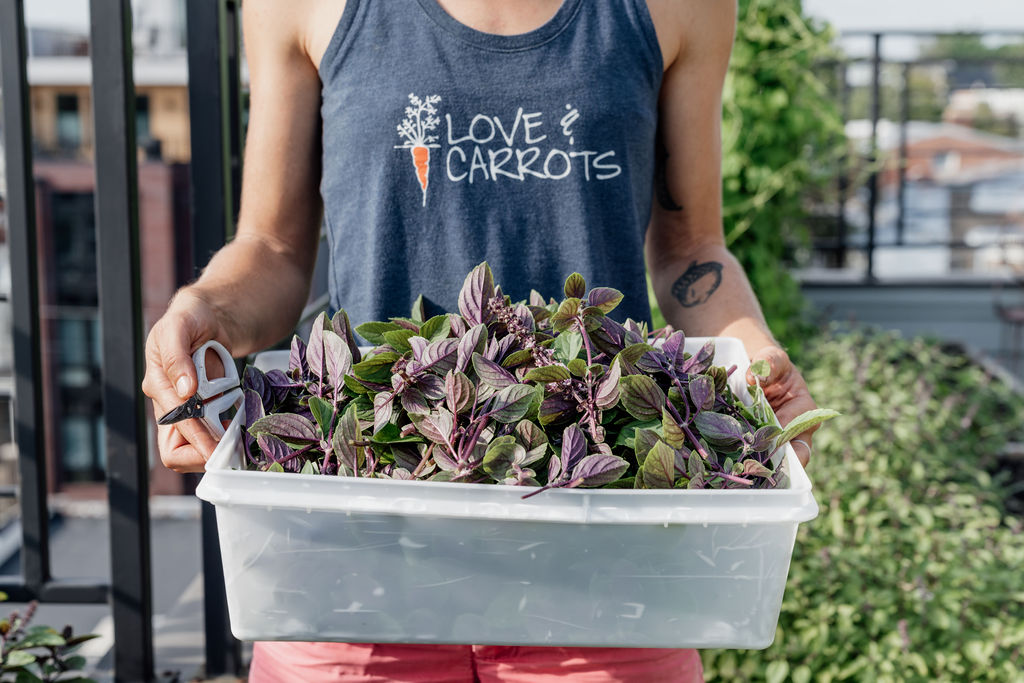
{"x": 753, "y": 468}
{"x": 287, "y": 426}
{"x": 673, "y": 345}
{"x": 383, "y": 409}
{"x": 419, "y": 345}
{"x": 413, "y": 401}
{"x": 702, "y": 391}
{"x": 272, "y": 447}
{"x": 610, "y": 337}
{"x": 346, "y": 435}
{"x": 337, "y": 359}
{"x": 253, "y": 407}
{"x": 525, "y": 317}
{"x": 604, "y": 298}
{"x": 764, "y": 438}
{"x": 444, "y": 460}
{"x": 457, "y": 325}
{"x": 641, "y": 397}
{"x": 477, "y": 291}
{"x": 436, "y": 426}
{"x": 431, "y": 385}
{"x": 471, "y": 342}
{"x": 718, "y": 429}
{"x": 511, "y": 403}
{"x": 491, "y": 373}
{"x": 536, "y": 299}
{"x": 700, "y": 362}
{"x": 440, "y": 355}
{"x": 297, "y": 357}
{"x": 315, "y": 347}
{"x": 555, "y": 407}
{"x": 555, "y": 469}
{"x": 533, "y": 440}
{"x": 253, "y": 379}
{"x": 598, "y": 470}
{"x": 607, "y": 393}
{"x": 574, "y": 446}
{"x": 459, "y": 392}
{"x": 343, "y": 328}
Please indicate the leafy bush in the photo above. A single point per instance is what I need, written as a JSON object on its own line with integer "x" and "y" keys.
{"x": 782, "y": 134}
{"x": 911, "y": 571}
{"x": 38, "y": 654}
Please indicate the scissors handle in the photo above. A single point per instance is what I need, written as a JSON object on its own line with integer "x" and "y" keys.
{"x": 211, "y": 387}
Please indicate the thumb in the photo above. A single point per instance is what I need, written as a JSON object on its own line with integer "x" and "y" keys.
{"x": 778, "y": 364}
{"x": 181, "y": 370}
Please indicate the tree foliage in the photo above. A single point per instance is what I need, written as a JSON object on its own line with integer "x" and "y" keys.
{"x": 782, "y": 134}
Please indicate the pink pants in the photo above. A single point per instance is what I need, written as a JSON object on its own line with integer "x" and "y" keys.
{"x": 281, "y": 662}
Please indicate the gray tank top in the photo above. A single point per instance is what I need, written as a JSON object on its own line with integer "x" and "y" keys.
{"x": 444, "y": 146}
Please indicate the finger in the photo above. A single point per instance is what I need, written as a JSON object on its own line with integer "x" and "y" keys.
{"x": 802, "y": 446}
{"x": 185, "y": 446}
{"x": 778, "y": 363}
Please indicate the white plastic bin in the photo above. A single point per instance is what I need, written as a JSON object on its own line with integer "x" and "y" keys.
{"x": 310, "y": 557}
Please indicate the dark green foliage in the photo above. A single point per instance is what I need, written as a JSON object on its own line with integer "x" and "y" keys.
{"x": 39, "y": 654}
{"x": 912, "y": 571}
{"x": 782, "y": 134}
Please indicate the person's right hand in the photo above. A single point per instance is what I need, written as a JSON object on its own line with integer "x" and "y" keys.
{"x": 171, "y": 378}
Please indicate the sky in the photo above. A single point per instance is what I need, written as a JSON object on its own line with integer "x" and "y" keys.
{"x": 935, "y": 15}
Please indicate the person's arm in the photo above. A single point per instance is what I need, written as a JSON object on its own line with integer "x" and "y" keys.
{"x": 252, "y": 291}
{"x": 700, "y": 287}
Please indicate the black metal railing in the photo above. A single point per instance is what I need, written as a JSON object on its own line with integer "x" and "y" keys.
{"x": 890, "y": 83}
{"x": 215, "y": 111}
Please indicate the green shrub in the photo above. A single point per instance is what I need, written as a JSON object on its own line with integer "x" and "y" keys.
{"x": 911, "y": 572}
{"x": 782, "y": 135}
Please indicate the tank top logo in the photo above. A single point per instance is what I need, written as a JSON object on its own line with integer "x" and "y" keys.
{"x": 420, "y": 119}
{"x": 485, "y": 147}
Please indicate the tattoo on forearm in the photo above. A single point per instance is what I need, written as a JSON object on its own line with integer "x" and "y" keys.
{"x": 661, "y": 190}
{"x": 698, "y": 283}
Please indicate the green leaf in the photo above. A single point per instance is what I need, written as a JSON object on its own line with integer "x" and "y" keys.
{"x": 373, "y": 332}
{"x": 803, "y": 422}
{"x": 632, "y": 353}
{"x": 417, "y": 312}
{"x": 575, "y": 286}
{"x": 659, "y": 468}
{"x": 399, "y": 339}
{"x": 275, "y": 467}
{"x": 547, "y": 373}
{"x": 761, "y": 368}
{"x": 671, "y": 431}
{"x": 309, "y": 467}
{"x": 26, "y": 675}
{"x": 641, "y": 397}
{"x": 323, "y": 413}
{"x": 578, "y": 367}
{"x": 567, "y": 346}
{"x": 500, "y": 455}
{"x": 566, "y": 314}
{"x": 392, "y": 434}
{"x": 516, "y": 358}
{"x": 436, "y": 328}
{"x": 776, "y": 671}
{"x": 376, "y": 368}
{"x": 39, "y": 636}
{"x": 643, "y": 442}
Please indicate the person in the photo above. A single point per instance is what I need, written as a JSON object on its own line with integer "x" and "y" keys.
{"x": 544, "y": 136}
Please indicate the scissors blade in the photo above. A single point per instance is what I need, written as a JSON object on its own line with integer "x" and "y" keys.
{"x": 189, "y": 409}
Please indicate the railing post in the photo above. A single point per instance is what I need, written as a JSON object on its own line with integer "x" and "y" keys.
{"x": 876, "y": 105}
{"x": 844, "y": 168}
{"x": 214, "y": 176}
{"x": 901, "y": 188}
{"x": 28, "y": 368}
{"x": 117, "y": 227}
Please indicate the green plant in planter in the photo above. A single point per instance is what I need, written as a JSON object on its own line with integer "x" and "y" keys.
{"x": 39, "y": 654}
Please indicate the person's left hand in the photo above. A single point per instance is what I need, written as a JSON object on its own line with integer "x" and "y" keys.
{"x": 787, "y": 394}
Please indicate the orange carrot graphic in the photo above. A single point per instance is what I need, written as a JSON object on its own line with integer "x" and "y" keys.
{"x": 414, "y": 129}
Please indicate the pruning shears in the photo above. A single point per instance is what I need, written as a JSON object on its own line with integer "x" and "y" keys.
{"x": 214, "y": 396}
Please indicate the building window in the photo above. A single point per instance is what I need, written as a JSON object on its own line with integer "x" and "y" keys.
{"x": 69, "y": 123}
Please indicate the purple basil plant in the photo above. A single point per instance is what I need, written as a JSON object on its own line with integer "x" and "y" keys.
{"x": 545, "y": 394}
